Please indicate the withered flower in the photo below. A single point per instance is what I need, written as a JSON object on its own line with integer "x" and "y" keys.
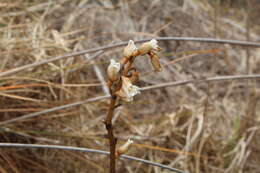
{"x": 128, "y": 90}
{"x": 124, "y": 148}
{"x": 149, "y": 46}
{"x": 113, "y": 70}
{"x": 154, "y": 44}
{"x": 130, "y": 49}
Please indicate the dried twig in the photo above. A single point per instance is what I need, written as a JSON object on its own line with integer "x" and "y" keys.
{"x": 89, "y": 150}
{"x": 163, "y": 85}
{"x": 207, "y": 40}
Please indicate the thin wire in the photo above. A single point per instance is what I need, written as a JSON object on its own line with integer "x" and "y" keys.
{"x": 89, "y": 150}
{"x": 54, "y": 109}
{"x": 194, "y": 39}
{"x": 163, "y": 85}
{"x": 210, "y": 79}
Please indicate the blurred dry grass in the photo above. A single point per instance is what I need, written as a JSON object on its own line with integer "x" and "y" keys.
{"x": 210, "y": 127}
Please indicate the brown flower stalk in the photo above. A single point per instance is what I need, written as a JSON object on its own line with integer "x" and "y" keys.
{"x": 121, "y": 77}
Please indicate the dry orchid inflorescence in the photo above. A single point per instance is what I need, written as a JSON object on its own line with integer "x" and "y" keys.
{"x": 122, "y": 74}
{"x": 121, "y": 78}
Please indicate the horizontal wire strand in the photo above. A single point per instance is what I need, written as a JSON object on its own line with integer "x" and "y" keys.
{"x": 89, "y": 150}
{"x": 194, "y": 39}
{"x": 163, "y": 85}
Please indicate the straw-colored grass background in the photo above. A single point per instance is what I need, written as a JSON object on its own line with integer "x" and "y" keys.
{"x": 202, "y": 127}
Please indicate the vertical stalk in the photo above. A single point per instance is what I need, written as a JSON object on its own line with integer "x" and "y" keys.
{"x": 112, "y": 139}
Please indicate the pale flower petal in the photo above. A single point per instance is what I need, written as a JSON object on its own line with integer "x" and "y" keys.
{"x": 154, "y": 44}
{"x": 113, "y": 70}
{"x": 149, "y": 46}
{"x": 124, "y": 148}
{"x": 130, "y": 49}
{"x": 128, "y": 90}
{"x": 134, "y": 90}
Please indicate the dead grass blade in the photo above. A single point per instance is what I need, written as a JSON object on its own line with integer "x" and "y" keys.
{"x": 21, "y": 110}
{"x": 173, "y": 151}
{"x": 21, "y": 86}
{"x": 10, "y": 162}
{"x": 18, "y": 97}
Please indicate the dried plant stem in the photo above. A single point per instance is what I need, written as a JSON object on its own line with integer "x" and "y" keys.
{"x": 111, "y": 137}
